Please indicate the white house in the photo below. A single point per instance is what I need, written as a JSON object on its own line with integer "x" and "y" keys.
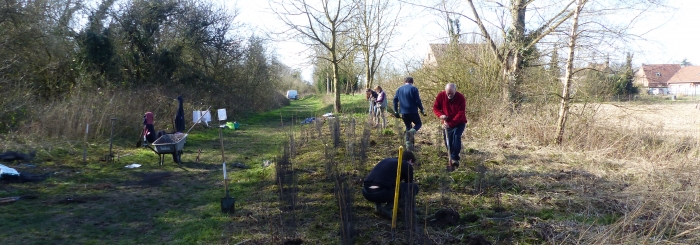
{"x": 686, "y": 81}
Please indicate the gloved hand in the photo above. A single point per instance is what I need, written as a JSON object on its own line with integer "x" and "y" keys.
{"x": 422, "y": 113}
{"x": 397, "y": 115}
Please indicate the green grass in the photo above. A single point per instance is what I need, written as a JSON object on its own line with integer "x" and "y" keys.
{"x": 309, "y": 106}
{"x": 115, "y": 205}
{"x": 152, "y": 204}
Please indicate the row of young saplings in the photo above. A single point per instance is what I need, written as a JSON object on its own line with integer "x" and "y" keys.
{"x": 346, "y": 184}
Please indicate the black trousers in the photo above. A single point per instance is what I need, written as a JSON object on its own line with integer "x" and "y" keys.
{"x": 411, "y": 120}
{"x": 386, "y": 195}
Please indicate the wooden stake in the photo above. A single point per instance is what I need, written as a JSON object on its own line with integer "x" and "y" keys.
{"x": 87, "y": 129}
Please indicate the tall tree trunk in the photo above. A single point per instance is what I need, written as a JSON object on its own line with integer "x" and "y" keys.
{"x": 512, "y": 79}
{"x": 368, "y": 70}
{"x": 512, "y": 68}
{"x": 565, "y": 103}
{"x": 335, "y": 61}
{"x": 328, "y": 84}
{"x": 336, "y": 88}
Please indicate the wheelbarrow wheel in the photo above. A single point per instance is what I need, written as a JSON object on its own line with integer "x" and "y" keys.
{"x": 177, "y": 157}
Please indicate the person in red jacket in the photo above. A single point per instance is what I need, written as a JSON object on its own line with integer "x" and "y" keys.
{"x": 450, "y": 106}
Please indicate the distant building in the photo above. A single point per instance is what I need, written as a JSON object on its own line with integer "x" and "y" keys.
{"x": 654, "y": 78}
{"x": 438, "y": 51}
{"x": 601, "y": 67}
{"x": 686, "y": 81}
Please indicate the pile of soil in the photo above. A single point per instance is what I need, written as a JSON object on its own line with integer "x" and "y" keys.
{"x": 445, "y": 217}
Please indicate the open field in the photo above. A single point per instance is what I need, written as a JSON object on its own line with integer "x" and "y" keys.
{"x": 670, "y": 119}
{"x": 506, "y": 192}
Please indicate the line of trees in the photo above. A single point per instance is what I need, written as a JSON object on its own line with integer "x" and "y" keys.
{"x": 348, "y": 37}
{"x": 52, "y": 50}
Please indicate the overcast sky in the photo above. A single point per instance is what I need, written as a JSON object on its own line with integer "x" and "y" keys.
{"x": 670, "y": 35}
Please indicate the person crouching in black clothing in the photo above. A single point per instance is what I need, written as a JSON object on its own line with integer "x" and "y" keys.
{"x": 380, "y": 184}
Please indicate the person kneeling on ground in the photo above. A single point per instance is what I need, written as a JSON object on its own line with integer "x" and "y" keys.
{"x": 380, "y": 184}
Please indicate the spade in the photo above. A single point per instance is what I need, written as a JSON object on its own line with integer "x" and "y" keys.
{"x": 227, "y": 202}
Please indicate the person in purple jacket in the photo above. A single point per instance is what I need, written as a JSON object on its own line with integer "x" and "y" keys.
{"x": 407, "y": 99}
{"x": 380, "y": 107}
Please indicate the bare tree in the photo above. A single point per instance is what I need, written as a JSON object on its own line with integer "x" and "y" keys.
{"x": 568, "y": 75}
{"x": 321, "y": 24}
{"x": 593, "y": 36}
{"x": 377, "y": 21}
{"x": 516, "y": 40}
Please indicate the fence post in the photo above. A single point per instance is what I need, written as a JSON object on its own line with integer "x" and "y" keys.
{"x": 87, "y": 129}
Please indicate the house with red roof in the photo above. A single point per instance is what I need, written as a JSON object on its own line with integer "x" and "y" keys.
{"x": 686, "y": 81}
{"x": 654, "y": 78}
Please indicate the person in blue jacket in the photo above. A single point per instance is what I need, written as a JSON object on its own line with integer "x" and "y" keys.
{"x": 407, "y": 103}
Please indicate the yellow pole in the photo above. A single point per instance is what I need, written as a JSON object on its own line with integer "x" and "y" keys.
{"x": 396, "y": 190}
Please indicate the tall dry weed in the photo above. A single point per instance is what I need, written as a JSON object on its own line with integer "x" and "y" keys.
{"x": 657, "y": 198}
{"x": 68, "y": 117}
{"x": 586, "y": 131}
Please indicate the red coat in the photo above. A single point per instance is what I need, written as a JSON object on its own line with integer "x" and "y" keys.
{"x": 454, "y": 109}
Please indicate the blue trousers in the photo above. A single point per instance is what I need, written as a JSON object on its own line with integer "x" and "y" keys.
{"x": 454, "y": 135}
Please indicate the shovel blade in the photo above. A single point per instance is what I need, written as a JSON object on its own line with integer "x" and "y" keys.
{"x": 228, "y": 204}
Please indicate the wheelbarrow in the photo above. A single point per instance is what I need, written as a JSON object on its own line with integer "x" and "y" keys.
{"x": 170, "y": 144}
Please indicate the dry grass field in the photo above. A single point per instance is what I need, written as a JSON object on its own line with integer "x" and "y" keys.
{"x": 626, "y": 175}
{"x": 669, "y": 119}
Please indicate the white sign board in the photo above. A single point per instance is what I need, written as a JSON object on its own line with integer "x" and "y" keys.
{"x": 197, "y": 114}
{"x": 221, "y": 113}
